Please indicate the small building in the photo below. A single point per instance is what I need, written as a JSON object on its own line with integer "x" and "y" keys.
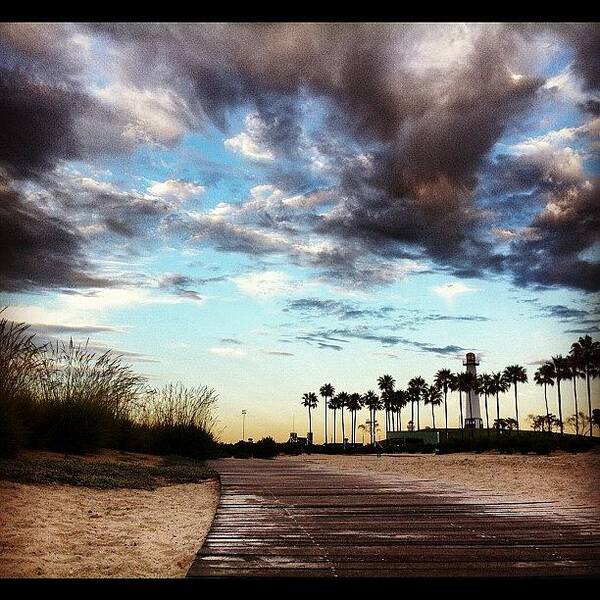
{"x": 426, "y": 437}
{"x": 295, "y": 440}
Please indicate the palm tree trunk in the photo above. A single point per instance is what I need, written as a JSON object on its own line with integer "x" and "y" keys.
{"x": 516, "y": 405}
{"x": 418, "y": 416}
{"x": 343, "y": 429}
{"x": 576, "y": 407}
{"x": 498, "y": 412}
{"x": 309, "y": 422}
{"x": 462, "y": 425}
{"x": 446, "y": 409}
{"x": 547, "y": 409}
{"x": 433, "y": 416}
{"x": 325, "y": 439}
{"x": 587, "y": 381}
{"x": 334, "y": 426}
{"x": 487, "y": 415}
{"x": 560, "y": 407}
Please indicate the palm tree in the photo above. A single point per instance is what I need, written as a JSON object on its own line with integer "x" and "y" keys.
{"x": 327, "y": 391}
{"x": 386, "y": 383}
{"x": 443, "y": 380}
{"x": 484, "y": 386}
{"x": 371, "y": 399}
{"x": 499, "y": 384}
{"x": 334, "y": 404}
{"x": 400, "y": 401}
{"x": 516, "y": 374}
{"x": 587, "y": 353}
{"x": 573, "y": 370}
{"x": 354, "y": 404}
{"x": 433, "y": 396}
{"x": 310, "y": 400}
{"x": 363, "y": 428}
{"x": 342, "y": 402}
{"x": 416, "y": 388}
{"x": 560, "y": 371}
{"x": 455, "y": 387}
{"x": 545, "y": 376}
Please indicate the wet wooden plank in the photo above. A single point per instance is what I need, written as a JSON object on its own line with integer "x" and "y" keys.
{"x": 288, "y": 519}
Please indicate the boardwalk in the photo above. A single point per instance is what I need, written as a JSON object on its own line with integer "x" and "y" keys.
{"x": 291, "y": 518}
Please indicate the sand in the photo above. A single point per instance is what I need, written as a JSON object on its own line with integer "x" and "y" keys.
{"x": 568, "y": 480}
{"x": 66, "y": 531}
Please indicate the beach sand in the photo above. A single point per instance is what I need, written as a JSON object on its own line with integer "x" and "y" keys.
{"x": 568, "y": 480}
{"x": 52, "y": 530}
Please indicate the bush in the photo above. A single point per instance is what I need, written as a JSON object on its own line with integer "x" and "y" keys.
{"x": 265, "y": 448}
{"x": 71, "y": 426}
{"x": 12, "y": 432}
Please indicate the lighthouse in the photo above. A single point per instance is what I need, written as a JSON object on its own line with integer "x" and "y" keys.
{"x": 473, "y": 419}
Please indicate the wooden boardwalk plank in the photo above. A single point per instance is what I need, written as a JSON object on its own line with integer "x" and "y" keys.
{"x": 284, "y": 518}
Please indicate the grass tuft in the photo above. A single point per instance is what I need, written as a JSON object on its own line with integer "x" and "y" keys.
{"x": 104, "y": 475}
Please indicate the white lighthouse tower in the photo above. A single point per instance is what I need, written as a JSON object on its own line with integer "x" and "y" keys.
{"x": 473, "y": 419}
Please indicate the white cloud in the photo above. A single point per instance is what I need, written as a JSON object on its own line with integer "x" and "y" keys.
{"x": 267, "y": 283}
{"x": 110, "y": 298}
{"x": 175, "y": 189}
{"x": 244, "y": 144}
{"x": 449, "y": 291}
{"x": 228, "y": 352}
{"x": 157, "y": 116}
{"x": 559, "y": 136}
{"x": 567, "y": 85}
{"x": 249, "y": 142}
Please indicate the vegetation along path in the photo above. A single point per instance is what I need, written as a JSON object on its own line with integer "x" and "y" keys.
{"x": 286, "y": 518}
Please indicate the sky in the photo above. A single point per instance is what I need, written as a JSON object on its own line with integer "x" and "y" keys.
{"x": 265, "y": 208}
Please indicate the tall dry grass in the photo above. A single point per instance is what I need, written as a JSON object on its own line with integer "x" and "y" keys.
{"x": 63, "y": 397}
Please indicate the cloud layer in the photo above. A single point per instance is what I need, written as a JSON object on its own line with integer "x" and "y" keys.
{"x": 376, "y": 143}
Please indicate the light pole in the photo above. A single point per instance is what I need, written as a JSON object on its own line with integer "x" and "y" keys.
{"x": 243, "y": 425}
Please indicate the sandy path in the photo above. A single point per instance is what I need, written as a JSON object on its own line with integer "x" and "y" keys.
{"x": 66, "y": 531}
{"x": 569, "y": 480}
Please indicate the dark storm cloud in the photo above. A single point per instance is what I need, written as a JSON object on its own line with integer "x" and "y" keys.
{"x": 551, "y": 252}
{"x": 36, "y": 126}
{"x": 564, "y": 313}
{"x": 48, "y": 330}
{"x": 584, "y": 40}
{"x": 322, "y": 339}
{"x": 343, "y": 310}
{"x": 178, "y": 284}
{"x": 419, "y": 191}
{"x": 37, "y": 249}
{"x": 317, "y": 307}
{"x": 423, "y": 127}
{"x": 584, "y": 330}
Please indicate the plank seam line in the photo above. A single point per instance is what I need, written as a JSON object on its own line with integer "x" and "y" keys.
{"x": 307, "y": 534}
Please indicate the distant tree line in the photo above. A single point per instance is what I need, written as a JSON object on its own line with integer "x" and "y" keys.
{"x": 581, "y": 363}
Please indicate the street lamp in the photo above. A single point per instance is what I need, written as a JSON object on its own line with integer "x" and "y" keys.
{"x": 243, "y": 425}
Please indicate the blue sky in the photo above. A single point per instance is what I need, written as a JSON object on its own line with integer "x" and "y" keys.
{"x": 259, "y": 221}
